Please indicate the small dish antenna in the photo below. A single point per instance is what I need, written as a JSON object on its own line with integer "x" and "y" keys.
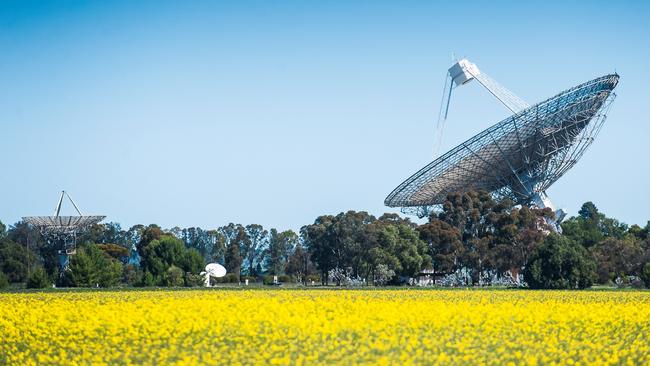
{"x": 213, "y": 270}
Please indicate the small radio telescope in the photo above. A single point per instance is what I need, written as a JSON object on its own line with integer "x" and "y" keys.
{"x": 519, "y": 157}
{"x": 61, "y": 231}
{"x": 213, "y": 270}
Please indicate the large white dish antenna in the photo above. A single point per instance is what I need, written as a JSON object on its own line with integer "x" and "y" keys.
{"x": 215, "y": 270}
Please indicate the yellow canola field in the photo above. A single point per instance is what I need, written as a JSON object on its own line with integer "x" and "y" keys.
{"x": 307, "y": 327}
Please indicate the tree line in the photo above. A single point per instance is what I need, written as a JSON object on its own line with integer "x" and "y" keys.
{"x": 483, "y": 240}
{"x": 472, "y": 240}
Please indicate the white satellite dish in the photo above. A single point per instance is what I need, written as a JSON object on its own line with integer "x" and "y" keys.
{"x": 213, "y": 270}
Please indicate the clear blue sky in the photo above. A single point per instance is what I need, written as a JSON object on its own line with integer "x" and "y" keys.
{"x": 203, "y": 113}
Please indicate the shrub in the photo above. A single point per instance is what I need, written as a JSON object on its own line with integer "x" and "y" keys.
{"x": 228, "y": 278}
{"x": 111, "y": 274}
{"x": 193, "y": 280}
{"x": 637, "y": 283}
{"x": 313, "y": 277}
{"x": 382, "y": 275}
{"x": 14, "y": 270}
{"x": 4, "y": 281}
{"x": 285, "y": 278}
{"x": 130, "y": 275}
{"x": 148, "y": 280}
{"x": 38, "y": 279}
{"x": 232, "y": 278}
{"x": 174, "y": 277}
{"x": 267, "y": 280}
{"x": 645, "y": 274}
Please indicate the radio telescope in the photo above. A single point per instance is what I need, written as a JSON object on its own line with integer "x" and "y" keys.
{"x": 519, "y": 157}
{"x": 61, "y": 231}
{"x": 213, "y": 270}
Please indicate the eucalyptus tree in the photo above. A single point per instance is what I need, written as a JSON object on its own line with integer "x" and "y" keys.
{"x": 280, "y": 247}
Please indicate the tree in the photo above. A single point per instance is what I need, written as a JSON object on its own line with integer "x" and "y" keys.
{"x": 91, "y": 267}
{"x": 591, "y": 226}
{"x": 24, "y": 234}
{"x": 351, "y": 239}
{"x": 174, "y": 276}
{"x": 589, "y": 211}
{"x": 473, "y": 213}
{"x": 166, "y": 251}
{"x": 339, "y": 242}
{"x": 376, "y": 246}
{"x": 146, "y": 236}
{"x": 193, "y": 261}
{"x": 398, "y": 249}
{"x": 38, "y": 279}
{"x": 83, "y": 271}
{"x": 148, "y": 280}
{"x": 317, "y": 240}
{"x": 517, "y": 232}
{"x": 198, "y": 239}
{"x": 233, "y": 259}
{"x": 131, "y": 276}
{"x": 218, "y": 246}
{"x": 645, "y": 275}
{"x": 253, "y": 247}
{"x": 112, "y": 274}
{"x": 616, "y": 258}
{"x": 110, "y": 232}
{"x": 280, "y": 247}
{"x": 230, "y": 232}
{"x": 29, "y": 237}
{"x": 356, "y": 243}
{"x": 15, "y": 260}
{"x": 299, "y": 264}
{"x": 487, "y": 238}
{"x": 149, "y": 234}
{"x": 411, "y": 252}
{"x": 641, "y": 233}
{"x": 133, "y": 236}
{"x": 114, "y": 234}
{"x": 559, "y": 263}
{"x": 445, "y": 247}
{"x": 115, "y": 251}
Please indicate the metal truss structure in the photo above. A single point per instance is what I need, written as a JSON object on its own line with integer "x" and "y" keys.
{"x": 61, "y": 231}
{"x": 463, "y": 72}
{"x": 519, "y": 157}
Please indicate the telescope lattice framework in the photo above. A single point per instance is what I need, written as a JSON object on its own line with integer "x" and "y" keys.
{"x": 61, "y": 231}
{"x": 519, "y": 157}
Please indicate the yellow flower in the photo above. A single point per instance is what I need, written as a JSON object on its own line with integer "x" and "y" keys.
{"x": 312, "y": 327}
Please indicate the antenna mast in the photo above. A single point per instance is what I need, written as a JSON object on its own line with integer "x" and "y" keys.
{"x": 57, "y": 210}
{"x": 461, "y": 73}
